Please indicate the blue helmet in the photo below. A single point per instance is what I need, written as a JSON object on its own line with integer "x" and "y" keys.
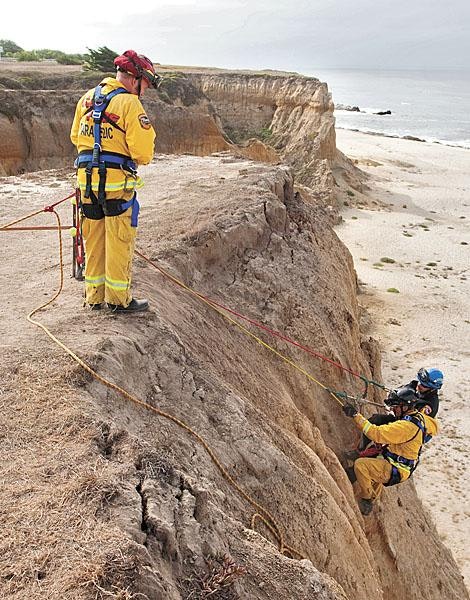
{"x": 431, "y": 378}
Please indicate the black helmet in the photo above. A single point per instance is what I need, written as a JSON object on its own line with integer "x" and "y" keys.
{"x": 404, "y": 396}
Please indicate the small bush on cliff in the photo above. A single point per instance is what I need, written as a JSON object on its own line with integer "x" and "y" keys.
{"x": 70, "y": 59}
{"x": 61, "y": 57}
{"x": 239, "y": 136}
{"x": 27, "y": 55}
{"x": 12, "y": 50}
{"x": 265, "y": 134}
{"x": 223, "y": 571}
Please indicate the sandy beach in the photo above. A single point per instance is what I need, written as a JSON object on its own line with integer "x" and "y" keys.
{"x": 409, "y": 235}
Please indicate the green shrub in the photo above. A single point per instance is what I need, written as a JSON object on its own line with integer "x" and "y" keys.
{"x": 265, "y": 134}
{"x": 10, "y": 47}
{"x": 101, "y": 59}
{"x": 27, "y": 56}
{"x": 70, "y": 59}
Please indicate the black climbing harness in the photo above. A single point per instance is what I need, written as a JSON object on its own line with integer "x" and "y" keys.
{"x": 409, "y": 464}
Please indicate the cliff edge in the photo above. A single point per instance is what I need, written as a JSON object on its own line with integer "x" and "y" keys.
{"x": 104, "y": 498}
{"x": 266, "y": 116}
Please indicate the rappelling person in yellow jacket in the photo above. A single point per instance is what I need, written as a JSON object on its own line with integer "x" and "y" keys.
{"x": 113, "y": 135}
{"x": 402, "y": 439}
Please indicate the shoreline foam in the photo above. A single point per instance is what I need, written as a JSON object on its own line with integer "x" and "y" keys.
{"x": 463, "y": 144}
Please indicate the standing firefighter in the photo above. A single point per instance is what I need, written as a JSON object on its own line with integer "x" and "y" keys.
{"x": 113, "y": 135}
{"x": 402, "y": 440}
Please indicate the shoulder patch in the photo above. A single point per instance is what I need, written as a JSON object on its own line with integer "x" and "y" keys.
{"x": 144, "y": 121}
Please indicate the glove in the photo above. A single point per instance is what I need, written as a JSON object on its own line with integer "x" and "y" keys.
{"x": 350, "y": 410}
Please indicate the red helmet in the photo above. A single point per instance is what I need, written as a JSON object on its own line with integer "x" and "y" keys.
{"x": 137, "y": 65}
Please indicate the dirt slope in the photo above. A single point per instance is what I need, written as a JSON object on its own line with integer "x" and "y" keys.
{"x": 104, "y": 499}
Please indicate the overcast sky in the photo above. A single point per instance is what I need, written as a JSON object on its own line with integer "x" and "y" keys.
{"x": 302, "y": 35}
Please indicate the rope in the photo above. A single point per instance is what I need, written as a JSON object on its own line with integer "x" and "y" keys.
{"x": 37, "y": 212}
{"x": 273, "y": 332}
{"x": 216, "y": 305}
{"x": 263, "y": 514}
{"x": 241, "y": 327}
{"x": 39, "y": 228}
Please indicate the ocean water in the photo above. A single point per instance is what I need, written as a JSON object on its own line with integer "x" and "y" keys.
{"x": 430, "y": 105}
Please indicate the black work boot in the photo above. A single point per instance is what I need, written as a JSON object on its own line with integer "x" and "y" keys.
{"x": 365, "y": 506}
{"x": 133, "y": 307}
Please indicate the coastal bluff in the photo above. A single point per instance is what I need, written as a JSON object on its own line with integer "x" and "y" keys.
{"x": 264, "y": 116}
{"x": 103, "y": 498}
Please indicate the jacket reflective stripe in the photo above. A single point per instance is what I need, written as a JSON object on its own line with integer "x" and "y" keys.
{"x": 398, "y": 465}
{"x": 364, "y": 424}
{"x": 130, "y": 185}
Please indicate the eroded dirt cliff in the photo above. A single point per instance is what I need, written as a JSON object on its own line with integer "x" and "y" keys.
{"x": 35, "y": 126}
{"x": 103, "y": 498}
{"x": 293, "y": 113}
{"x": 196, "y": 112}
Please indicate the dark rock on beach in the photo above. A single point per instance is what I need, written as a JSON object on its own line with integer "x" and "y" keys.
{"x": 413, "y": 138}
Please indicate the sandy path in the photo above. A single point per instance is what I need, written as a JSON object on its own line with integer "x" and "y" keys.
{"x": 424, "y": 228}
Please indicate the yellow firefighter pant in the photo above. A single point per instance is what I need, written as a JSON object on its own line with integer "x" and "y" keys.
{"x": 109, "y": 249}
{"x": 372, "y": 473}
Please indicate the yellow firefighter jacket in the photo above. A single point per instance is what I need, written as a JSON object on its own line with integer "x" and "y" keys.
{"x": 135, "y": 141}
{"x": 403, "y": 438}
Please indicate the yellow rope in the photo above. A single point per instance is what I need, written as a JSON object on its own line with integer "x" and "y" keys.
{"x": 263, "y": 514}
{"x": 240, "y": 326}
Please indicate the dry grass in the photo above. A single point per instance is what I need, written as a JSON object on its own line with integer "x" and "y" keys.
{"x": 55, "y": 489}
{"x": 222, "y": 573}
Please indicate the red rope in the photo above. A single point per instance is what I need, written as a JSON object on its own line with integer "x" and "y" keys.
{"x": 229, "y": 310}
{"x": 38, "y": 228}
{"x": 260, "y": 325}
{"x": 284, "y": 337}
{"x": 52, "y": 206}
